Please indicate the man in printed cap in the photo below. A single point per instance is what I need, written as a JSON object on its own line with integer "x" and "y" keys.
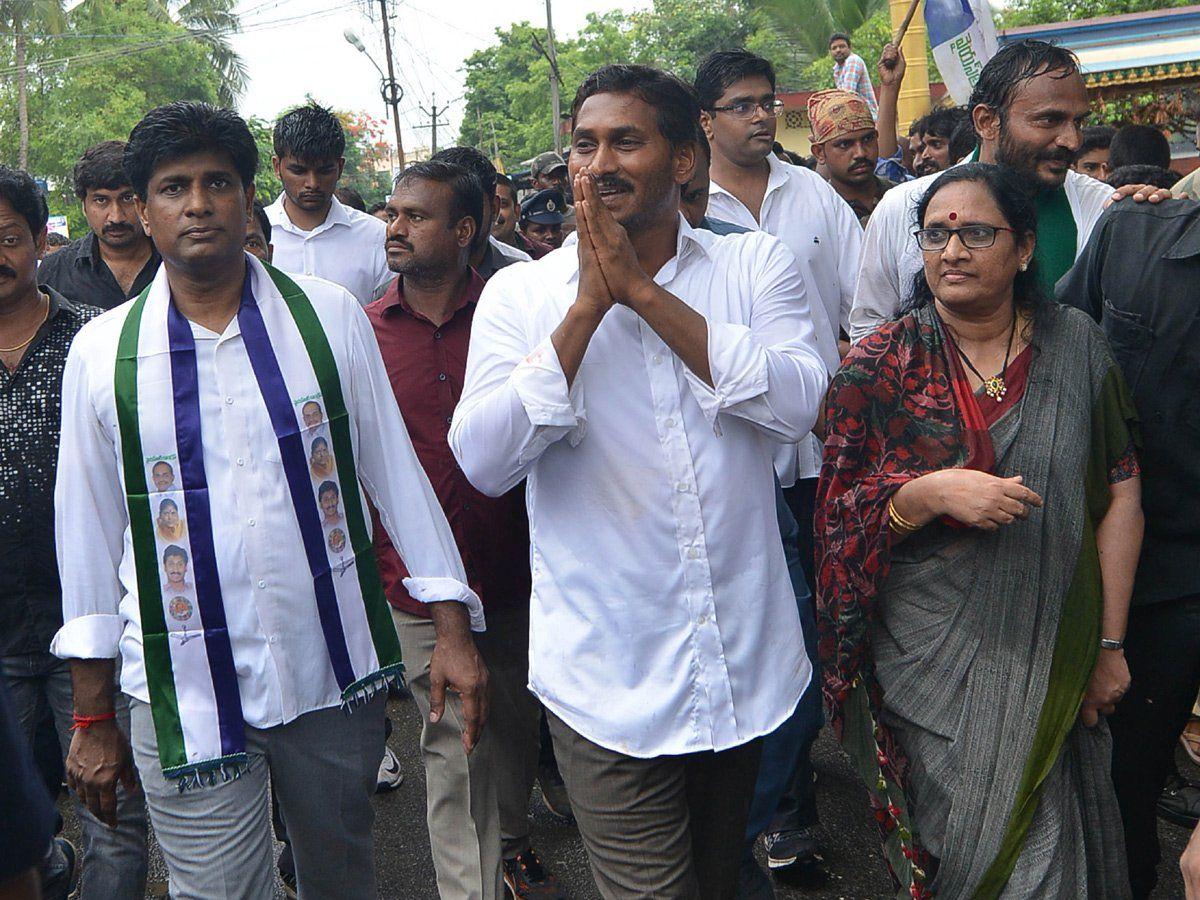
{"x": 542, "y": 217}
{"x": 845, "y": 140}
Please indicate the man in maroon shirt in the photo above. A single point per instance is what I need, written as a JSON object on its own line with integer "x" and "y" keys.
{"x": 423, "y": 325}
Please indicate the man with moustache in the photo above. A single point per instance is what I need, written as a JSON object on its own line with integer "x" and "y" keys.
{"x": 508, "y": 217}
{"x": 660, "y": 581}
{"x": 116, "y": 259}
{"x": 1028, "y": 109}
{"x": 941, "y": 138}
{"x": 37, "y": 327}
{"x": 292, "y": 638}
{"x": 312, "y": 232}
{"x": 846, "y": 142}
{"x": 478, "y": 816}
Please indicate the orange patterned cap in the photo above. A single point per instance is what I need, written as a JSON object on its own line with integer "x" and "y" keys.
{"x": 836, "y": 113}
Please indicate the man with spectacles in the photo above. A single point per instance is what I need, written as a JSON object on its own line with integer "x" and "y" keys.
{"x": 753, "y": 189}
{"x": 846, "y": 142}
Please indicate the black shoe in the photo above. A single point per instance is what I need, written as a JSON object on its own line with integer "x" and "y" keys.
{"x": 1179, "y": 803}
{"x": 554, "y": 792}
{"x": 753, "y": 883}
{"x": 61, "y": 872}
{"x": 526, "y": 877}
{"x": 792, "y": 848}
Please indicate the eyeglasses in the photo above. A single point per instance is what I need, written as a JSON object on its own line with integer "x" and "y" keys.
{"x": 747, "y": 108}
{"x": 973, "y": 237}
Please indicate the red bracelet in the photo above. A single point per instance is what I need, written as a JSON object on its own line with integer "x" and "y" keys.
{"x": 86, "y": 722}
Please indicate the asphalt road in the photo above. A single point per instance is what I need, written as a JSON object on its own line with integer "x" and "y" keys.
{"x": 853, "y": 868}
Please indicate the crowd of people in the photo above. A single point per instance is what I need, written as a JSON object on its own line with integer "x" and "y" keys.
{"x": 634, "y": 483}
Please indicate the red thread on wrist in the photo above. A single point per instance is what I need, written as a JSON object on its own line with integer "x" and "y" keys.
{"x": 85, "y": 722}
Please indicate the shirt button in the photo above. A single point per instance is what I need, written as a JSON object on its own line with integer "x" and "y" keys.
{"x": 682, "y": 487}
{"x": 229, "y": 400}
{"x": 261, "y": 583}
{"x": 250, "y": 522}
{"x": 693, "y": 553}
{"x": 656, "y": 359}
{"x": 240, "y": 461}
{"x": 441, "y": 376}
{"x": 670, "y": 423}
{"x": 702, "y": 620}
{"x": 447, "y": 420}
{"x": 274, "y": 639}
{"x": 437, "y": 335}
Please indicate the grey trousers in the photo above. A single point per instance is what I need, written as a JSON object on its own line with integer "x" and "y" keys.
{"x": 667, "y": 828}
{"x": 217, "y": 840}
{"x": 478, "y": 805}
{"x": 114, "y": 859}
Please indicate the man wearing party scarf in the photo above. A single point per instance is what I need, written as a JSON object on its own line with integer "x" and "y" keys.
{"x": 282, "y": 626}
{"x": 1028, "y": 109}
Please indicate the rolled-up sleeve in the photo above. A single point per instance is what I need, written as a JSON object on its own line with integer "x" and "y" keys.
{"x": 90, "y": 518}
{"x": 767, "y": 371}
{"x": 399, "y": 487}
{"x": 515, "y": 401}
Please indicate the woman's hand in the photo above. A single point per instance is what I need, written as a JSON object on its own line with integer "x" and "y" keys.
{"x": 1110, "y": 680}
{"x": 974, "y": 498}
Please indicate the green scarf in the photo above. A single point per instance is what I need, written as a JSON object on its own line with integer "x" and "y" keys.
{"x": 1056, "y": 238}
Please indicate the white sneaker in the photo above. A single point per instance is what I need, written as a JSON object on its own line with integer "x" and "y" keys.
{"x": 390, "y": 777}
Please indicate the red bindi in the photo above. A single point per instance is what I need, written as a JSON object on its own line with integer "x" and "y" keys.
{"x": 953, "y": 216}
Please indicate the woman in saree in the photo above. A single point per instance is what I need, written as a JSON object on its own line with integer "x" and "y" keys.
{"x": 978, "y": 525}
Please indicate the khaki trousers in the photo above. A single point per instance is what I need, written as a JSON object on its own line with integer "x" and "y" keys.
{"x": 667, "y": 828}
{"x": 478, "y": 805}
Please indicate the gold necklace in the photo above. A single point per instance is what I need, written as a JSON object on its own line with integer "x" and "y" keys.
{"x": 29, "y": 340}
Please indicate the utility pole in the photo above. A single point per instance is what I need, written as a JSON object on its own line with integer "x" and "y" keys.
{"x": 391, "y": 90}
{"x": 554, "y": 81}
{"x": 433, "y": 124}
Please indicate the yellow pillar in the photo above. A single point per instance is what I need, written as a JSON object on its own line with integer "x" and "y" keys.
{"x": 914, "y": 93}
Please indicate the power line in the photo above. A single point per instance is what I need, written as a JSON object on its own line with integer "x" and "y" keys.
{"x": 167, "y": 40}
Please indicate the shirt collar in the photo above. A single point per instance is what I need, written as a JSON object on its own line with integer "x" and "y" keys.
{"x": 777, "y": 177}
{"x": 87, "y": 249}
{"x": 393, "y": 297}
{"x": 1189, "y": 242}
{"x": 687, "y": 244}
{"x": 278, "y": 215}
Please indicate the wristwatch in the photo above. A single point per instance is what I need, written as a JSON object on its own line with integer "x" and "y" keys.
{"x": 1110, "y": 644}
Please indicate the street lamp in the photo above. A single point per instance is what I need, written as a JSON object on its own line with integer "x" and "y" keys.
{"x": 389, "y": 89}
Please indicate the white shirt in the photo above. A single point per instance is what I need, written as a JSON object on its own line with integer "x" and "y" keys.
{"x": 347, "y": 249}
{"x": 891, "y": 258}
{"x": 660, "y": 589}
{"x": 508, "y": 250}
{"x": 278, "y": 646}
{"x": 821, "y": 230}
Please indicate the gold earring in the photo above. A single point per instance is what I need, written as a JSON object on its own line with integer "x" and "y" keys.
{"x": 1024, "y": 266}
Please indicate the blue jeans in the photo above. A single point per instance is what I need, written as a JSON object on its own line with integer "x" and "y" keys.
{"x": 114, "y": 859}
{"x": 786, "y": 750}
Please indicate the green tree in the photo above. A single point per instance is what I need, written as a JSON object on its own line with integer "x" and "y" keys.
{"x": 23, "y": 17}
{"x": 1041, "y": 12}
{"x": 811, "y": 22}
{"x": 507, "y": 82}
{"x": 212, "y": 22}
{"x": 102, "y": 92}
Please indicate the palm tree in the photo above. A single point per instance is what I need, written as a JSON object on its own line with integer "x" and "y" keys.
{"x": 811, "y": 22}
{"x": 22, "y": 18}
{"x": 212, "y": 22}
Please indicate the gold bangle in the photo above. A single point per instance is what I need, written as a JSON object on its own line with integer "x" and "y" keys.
{"x": 901, "y": 524}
